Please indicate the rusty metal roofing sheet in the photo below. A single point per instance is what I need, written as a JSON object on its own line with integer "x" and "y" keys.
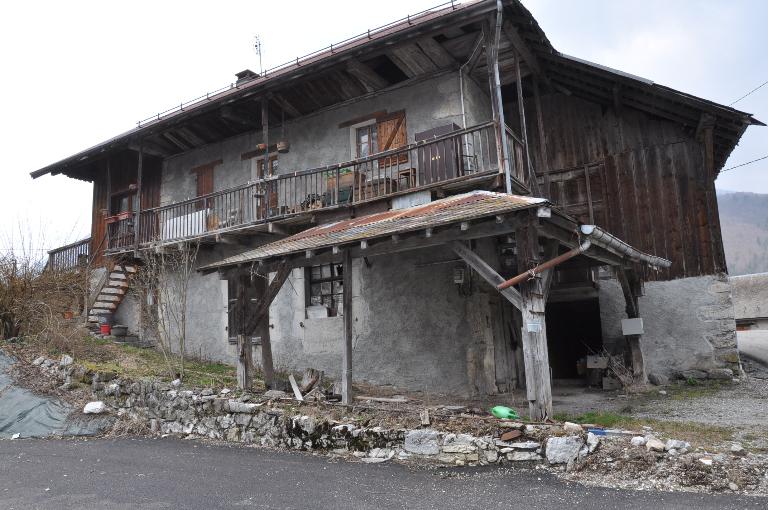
{"x": 465, "y": 207}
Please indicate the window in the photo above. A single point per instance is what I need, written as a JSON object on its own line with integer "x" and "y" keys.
{"x": 366, "y": 141}
{"x": 326, "y": 288}
{"x": 272, "y": 166}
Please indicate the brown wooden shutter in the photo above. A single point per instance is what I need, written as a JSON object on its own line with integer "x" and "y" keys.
{"x": 392, "y": 134}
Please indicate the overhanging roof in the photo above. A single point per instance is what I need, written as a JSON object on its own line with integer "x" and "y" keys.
{"x": 465, "y": 208}
{"x": 424, "y": 34}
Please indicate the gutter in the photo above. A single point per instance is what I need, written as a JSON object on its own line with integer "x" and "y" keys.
{"x": 603, "y": 239}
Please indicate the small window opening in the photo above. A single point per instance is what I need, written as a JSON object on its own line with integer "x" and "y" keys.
{"x": 326, "y": 288}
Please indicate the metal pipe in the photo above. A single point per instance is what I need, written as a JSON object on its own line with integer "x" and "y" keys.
{"x": 608, "y": 242}
{"x": 546, "y": 265}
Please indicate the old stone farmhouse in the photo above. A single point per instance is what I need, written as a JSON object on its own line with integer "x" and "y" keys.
{"x": 445, "y": 203}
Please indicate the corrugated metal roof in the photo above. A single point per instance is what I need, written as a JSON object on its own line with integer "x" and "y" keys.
{"x": 465, "y": 207}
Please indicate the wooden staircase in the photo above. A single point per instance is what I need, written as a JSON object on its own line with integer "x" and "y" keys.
{"x": 111, "y": 293}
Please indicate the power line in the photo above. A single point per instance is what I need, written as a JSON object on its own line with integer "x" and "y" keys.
{"x": 744, "y": 164}
{"x": 750, "y": 92}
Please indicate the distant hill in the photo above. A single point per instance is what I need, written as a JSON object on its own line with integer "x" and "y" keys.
{"x": 744, "y": 222}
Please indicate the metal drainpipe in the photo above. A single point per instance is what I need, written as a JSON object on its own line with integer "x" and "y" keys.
{"x": 546, "y": 265}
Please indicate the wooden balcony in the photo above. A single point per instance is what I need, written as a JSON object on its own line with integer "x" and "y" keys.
{"x": 70, "y": 256}
{"x": 455, "y": 158}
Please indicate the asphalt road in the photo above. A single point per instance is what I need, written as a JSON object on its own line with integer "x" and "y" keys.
{"x": 165, "y": 473}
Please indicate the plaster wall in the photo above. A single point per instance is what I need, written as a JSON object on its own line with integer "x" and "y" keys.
{"x": 317, "y": 140}
{"x": 689, "y": 323}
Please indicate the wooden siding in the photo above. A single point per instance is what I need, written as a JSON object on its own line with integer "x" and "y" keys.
{"x": 123, "y": 173}
{"x": 647, "y": 181}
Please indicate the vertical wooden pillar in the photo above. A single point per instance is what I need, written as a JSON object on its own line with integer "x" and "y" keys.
{"x": 629, "y": 285}
{"x": 534, "y": 328}
{"x": 533, "y": 184}
{"x": 244, "y": 349}
{"x": 543, "y": 158}
{"x": 265, "y": 133}
{"x": 497, "y": 105}
{"x": 346, "y": 376}
{"x": 137, "y": 218}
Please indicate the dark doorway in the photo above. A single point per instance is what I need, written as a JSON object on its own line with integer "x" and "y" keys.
{"x": 573, "y": 331}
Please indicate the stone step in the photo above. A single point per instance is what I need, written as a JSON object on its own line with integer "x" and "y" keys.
{"x": 100, "y": 311}
{"x": 93, "y": 318}
{"x": 112, "y": 290}
{"x": 117, "y": 275}
{"x": 105, "y": 305}
{"x": 129, "y": 269}
{"x": 114, "y": 298}
{"x": 117, "y": 283}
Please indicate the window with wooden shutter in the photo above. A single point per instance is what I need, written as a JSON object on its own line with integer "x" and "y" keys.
{"x": 204, "y": 182}
{"x": 392, "y": 134}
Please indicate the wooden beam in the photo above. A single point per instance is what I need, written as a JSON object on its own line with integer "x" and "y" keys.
{"x": 435, "y": 51}
{"x": 244, "y": 347}
{"x": 346, "y": 379}
{"x": 628, "y": 283}
{"x": 367, "y": 76}
{"x": 533, "y": 182}
{"x": 287, "y": 107}
{"x": 503, "y": 152}
{"x": 238, "y": 116}
{"x": 534, "y": 328}
{"x": 522, "y": 48}
{"x": 177, "y": 141}
{"x": 543, "y": 157}
{"x": 486, "y": 272}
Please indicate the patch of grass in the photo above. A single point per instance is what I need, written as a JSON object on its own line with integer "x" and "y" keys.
{"x": 137, "y": 363}
{"x": 698, "y": 389}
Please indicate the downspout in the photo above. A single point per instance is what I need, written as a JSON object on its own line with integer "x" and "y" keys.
{"x": 546, "y": 265}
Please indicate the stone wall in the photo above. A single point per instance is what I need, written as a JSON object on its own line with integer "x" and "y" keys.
{"x": 689, "y": 324}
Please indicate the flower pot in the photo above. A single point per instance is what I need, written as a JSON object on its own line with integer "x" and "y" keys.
{"x": 105, "y": 329}
{"x": 283, "y": 147}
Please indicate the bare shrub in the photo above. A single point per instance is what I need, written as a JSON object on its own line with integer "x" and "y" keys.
{"x": 39, "y": 303}
{"x": 163, "y": 285}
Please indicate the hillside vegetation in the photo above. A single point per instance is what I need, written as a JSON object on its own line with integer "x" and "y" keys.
{"x": 744, "y": 222}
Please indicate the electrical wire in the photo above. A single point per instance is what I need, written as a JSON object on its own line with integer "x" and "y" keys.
{"x": 744, "y": 164}
{"x": 750, "y": 92}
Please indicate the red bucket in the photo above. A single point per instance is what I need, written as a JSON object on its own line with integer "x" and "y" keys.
{"x": 105, "y": 329}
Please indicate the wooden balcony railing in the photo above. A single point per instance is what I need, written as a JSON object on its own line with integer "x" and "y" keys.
{"x": 456, "y": 156}
{"x": 71, "y": 256}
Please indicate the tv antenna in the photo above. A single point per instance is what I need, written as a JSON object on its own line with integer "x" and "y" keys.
{"x": 257, "y": 50}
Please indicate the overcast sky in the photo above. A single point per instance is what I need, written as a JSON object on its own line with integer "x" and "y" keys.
{"x": 78, "y": 72}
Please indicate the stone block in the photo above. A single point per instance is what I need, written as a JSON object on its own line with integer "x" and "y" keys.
{"x": 562, "y": 450}
{"x": 422, "y": 442}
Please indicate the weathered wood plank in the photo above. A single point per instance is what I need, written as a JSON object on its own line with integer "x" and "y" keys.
{"x": 486, "y": 272}
{"x": 346, "y": 379}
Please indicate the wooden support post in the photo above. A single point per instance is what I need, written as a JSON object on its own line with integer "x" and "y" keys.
{"x": 258, "y": 321}
{"x": 629, "y": 284}
{"x": 346, "y": 378}
{"x": 265, "y": 132}
{"x": 533, "y": 183}
{"x": 543, "y": 158}
{"x": 497, "y": 104}
{"x": 534, "y": 329}
{"x": 244, "y": 349}
{"x": 137, "y": 219}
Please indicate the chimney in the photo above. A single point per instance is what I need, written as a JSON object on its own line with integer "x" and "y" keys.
{"x": 244, "y": 76}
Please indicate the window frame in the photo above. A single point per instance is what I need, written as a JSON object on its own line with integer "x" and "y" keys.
{"x": 337, "y": 297}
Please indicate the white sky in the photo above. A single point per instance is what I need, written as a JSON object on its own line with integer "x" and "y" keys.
{"x": 79, "y": 72}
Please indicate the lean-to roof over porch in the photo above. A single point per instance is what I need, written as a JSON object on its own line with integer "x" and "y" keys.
{"x": 467, "y": 216}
